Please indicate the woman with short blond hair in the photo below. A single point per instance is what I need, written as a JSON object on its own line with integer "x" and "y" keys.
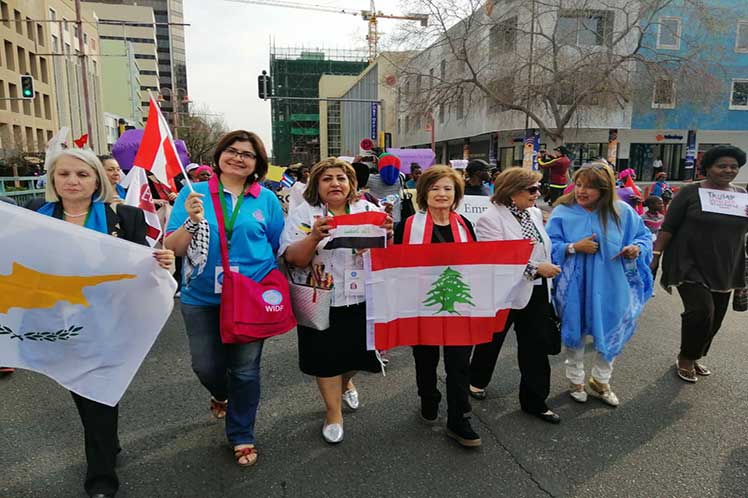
{"x": 513, "y": 216}
{"x": 438, "y": 193}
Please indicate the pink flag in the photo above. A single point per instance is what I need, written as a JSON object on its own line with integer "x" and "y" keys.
{"x": 157, "y": 152}
{"x": 139, "y": 196}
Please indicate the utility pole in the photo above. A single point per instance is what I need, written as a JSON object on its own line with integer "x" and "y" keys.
{"x": 84, "y": 67}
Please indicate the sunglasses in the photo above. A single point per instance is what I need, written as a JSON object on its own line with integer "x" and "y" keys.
{"x": 533, "y": 190}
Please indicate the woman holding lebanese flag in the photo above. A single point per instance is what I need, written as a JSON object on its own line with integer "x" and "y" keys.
{"x": 438, "y": 192}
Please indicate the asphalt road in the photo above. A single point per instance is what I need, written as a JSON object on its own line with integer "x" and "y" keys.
{"x": 667, "y": 439}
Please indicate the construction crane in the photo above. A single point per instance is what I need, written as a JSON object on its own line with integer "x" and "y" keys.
{"x": 371, "y": 16}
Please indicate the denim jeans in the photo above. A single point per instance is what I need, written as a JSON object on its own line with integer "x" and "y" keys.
{"x": 228, "y": 371}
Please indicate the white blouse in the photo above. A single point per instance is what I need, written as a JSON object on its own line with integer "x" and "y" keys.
{"x": 330, "y": 265}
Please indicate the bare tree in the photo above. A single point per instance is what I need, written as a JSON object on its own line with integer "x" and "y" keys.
{"x": 200, "y": 131}
{"x": 557, "y": 64}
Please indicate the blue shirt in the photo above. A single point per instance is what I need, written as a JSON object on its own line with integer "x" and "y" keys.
{"x": 254, "y": 240}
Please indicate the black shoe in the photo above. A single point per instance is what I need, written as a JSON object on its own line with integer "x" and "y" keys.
{"x": 463, "y": 433}
{"x": 549, "y": 416}
{"x": 101, "y": 495}
{"x": 429, "y": 410}
{"x": 479, "y": 395}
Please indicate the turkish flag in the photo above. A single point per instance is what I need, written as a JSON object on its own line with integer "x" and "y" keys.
{"x": 157, "y": 152}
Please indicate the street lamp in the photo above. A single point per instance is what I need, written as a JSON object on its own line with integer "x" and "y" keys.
{"x": 175, "y": 103}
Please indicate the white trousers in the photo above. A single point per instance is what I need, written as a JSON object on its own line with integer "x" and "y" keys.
{"x": 601, "y": 368}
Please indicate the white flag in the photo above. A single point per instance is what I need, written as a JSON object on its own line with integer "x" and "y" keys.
{"x": 81, "y": 307}
{"x": 139, "y": 195}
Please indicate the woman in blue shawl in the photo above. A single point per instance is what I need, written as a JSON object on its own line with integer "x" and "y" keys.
{"x": 604, "y": 251}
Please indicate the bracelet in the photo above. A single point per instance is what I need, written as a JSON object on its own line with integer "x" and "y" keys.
{"x": 657, "y": 253}
{"x": 190, "y": 226}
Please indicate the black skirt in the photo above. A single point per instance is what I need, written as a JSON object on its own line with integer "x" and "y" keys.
{"x": 339, "y": 349}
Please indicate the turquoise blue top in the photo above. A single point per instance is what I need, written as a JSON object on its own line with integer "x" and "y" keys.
{"x": 254, "y": 240}
{"x": 595, "y": 294}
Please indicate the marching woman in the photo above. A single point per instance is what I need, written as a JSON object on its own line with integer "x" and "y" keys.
{"x": 513, "y": 216}
{"x": 253, "y": 223}
{"x": 604, "y": 250}
{"x": 336, "y": 354}
{"x": 438, "y": 192}
{"x": 79, "y": 192}
{"x": 114, "y": 174}
{"x": 704, "y": 258}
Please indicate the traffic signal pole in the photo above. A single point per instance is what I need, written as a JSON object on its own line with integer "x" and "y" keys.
{"x": 84, "y": 75}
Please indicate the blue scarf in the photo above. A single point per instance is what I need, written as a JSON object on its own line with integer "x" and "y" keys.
{"x": 121, "y": 192}
{"x": 96, "y": 217}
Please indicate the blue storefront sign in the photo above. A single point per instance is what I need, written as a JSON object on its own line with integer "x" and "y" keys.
{"x": 374, "y": 121}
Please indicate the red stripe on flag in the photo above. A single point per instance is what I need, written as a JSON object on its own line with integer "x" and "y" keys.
{"x": 438, "y": 330}
{"x": 375, "y": 218}
{"x": 152, "y": 232}
{"x": 172, "y": 162}
{"x": 504, "y": 252}
{"x": 151, "y": 140}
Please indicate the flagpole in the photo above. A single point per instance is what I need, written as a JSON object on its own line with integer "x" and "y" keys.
{"x": 171, "y": 141}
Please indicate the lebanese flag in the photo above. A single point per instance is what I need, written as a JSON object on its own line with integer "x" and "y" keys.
{"x": 455, "y": 294}
{"x": 157, "y": 152}
{"x": 139, "y": 195}
{"x": 358, "y": 231}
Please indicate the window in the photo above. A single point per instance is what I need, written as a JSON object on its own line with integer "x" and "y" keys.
{"x": 668, "y": 33}
{"x": 441, "y": 113}
{"x": 460, "y": 107}
{"x": 9, "y": 57}
{"x": 585, "y": 27}
{"x": 502, "y": 37}
{"x": 5, "y": 13}
{"x": 443, "y": 70}
{"x": 43, "y": 69}
{"x": 664, "y": 94}
{"x": 739, "y": 95}
{"x": 55, "y": 44}
{"x": 30, "y": 29}
{"x": 18, "y": 23}
{"x": 504, "y": 90}
{"x": 40, "y": 34}
{"x": 741, "y": 39}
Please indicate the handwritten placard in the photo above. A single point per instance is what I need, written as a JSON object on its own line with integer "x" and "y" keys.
{"x": 723, "y": 202}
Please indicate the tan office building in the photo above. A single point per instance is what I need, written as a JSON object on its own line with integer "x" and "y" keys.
{"x": 130, "y": 60}
{"x": 25, "y": 125}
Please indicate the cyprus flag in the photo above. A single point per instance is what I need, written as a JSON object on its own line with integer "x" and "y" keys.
{"x": 81, "y": 307}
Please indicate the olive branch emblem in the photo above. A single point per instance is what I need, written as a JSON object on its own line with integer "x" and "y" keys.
{"x": 59, "y": 335}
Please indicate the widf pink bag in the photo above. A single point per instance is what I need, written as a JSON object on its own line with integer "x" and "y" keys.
{"x": 250, "y": 310}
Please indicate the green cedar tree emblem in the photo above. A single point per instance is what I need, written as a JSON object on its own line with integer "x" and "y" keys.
{"x": 448, "y": 290}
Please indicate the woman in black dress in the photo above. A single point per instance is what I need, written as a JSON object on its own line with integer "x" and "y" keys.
{"x": 704, "y": 257}
{"x": 333, "y": 355}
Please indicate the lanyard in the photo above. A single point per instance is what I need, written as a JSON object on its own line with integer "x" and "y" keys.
{"x": 229, "y": 222}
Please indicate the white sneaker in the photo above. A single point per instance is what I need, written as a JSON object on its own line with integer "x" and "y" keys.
{"x": 351, "y": 399}
{"x": 578, "y": 393}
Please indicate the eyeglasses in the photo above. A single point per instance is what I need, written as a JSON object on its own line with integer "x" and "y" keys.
{"x": 533, "y": 190}
{"x": 244, "y": 156}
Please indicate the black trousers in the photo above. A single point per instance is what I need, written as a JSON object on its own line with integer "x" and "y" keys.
{"x": 529, "y": 325}
{"x": 703, "y": 312}
{"x": 554, "y": 193}
{"x": 456, "y": 364}
{"x": 102, "y": 444}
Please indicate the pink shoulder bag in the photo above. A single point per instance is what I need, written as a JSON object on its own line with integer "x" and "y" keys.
{"x": 250, "y": 310}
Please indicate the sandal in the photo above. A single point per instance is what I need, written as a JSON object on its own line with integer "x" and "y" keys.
{"x": 248, "y": 453}
{"x": 701, "y": 369}
{"x": 218, "y": 408}
{"x": 686, "y": 374}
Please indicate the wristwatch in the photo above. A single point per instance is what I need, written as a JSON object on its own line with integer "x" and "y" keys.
{"x": 570, "y": 249}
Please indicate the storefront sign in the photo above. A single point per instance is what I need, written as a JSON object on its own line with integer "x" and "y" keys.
{"x": 374, "y": 120}
{"x": 723, "y": 202}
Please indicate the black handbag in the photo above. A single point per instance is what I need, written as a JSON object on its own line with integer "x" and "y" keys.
{"x": 552, "y": 332}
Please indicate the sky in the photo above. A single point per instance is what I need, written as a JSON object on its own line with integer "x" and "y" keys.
{"x": 228, "y": 46}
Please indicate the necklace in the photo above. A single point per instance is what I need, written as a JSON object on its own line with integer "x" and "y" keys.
{"x": 74, "y": 215}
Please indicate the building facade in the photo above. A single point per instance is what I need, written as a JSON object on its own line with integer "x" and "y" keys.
{"x": 128, "y": 46}
{"x": 26, "y": 125}
{"x": 171, "y": 55}
{"x": 652, "y": 122}
{"x": 296, "y": 72}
